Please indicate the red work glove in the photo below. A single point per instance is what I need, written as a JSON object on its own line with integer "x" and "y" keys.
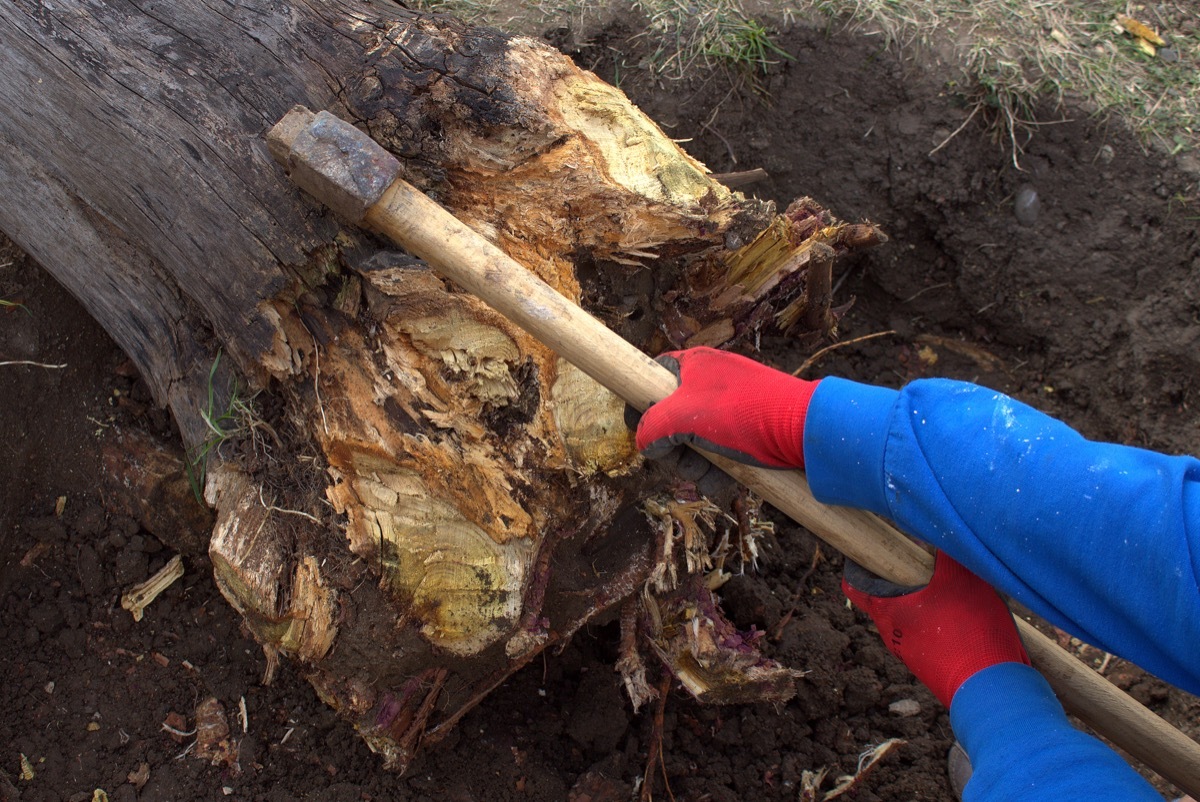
{"x": 944, "y": 632}
{"x": 730, "y": 405}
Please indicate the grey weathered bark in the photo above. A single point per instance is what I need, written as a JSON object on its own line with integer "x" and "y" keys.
{"x": 423, "y": 498}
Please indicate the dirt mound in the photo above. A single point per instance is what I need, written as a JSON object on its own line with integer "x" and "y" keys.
{"x": 1087, "y": 305}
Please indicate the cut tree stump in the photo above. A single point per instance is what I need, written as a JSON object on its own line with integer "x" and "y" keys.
{"x": 413, "y": 498}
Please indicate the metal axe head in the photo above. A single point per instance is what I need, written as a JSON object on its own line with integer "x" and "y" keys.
{"x": 333, "y": 161}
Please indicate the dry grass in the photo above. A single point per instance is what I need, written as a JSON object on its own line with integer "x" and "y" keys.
{"x": 1019, "y": 57}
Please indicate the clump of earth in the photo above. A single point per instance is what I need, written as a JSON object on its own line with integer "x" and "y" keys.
{"x": 1072, "y": 283}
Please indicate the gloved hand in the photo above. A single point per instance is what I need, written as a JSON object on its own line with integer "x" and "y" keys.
{"x": 730, "y": 405}
{"x": 944, "y": 632}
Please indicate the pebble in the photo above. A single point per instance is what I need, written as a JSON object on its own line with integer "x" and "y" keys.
{"x": 905, "y": 708}
{"x": 1026, "y": 205}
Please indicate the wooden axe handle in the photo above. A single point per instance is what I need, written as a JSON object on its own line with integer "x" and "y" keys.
{"x": 428, "y": 231}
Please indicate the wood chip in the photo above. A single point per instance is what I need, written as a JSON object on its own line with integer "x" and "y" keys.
{"x": 139, "y": 597}
{"x": 31, "y": 556}
{"x": 139, "y": 776}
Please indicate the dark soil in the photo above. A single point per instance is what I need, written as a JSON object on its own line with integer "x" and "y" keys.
{"x": 1091, "y": 312}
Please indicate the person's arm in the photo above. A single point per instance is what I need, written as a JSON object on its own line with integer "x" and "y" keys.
{"x": 1022, "y": 746}
{"x": 957, "y": 636}
{"x": 1102, "y": 540}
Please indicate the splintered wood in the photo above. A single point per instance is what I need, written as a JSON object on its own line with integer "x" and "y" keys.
{"x": 440, "y": 497}
{"x": 460, "y": 443}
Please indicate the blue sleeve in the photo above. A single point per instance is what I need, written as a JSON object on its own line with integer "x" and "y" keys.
{"x": 1062, "y": 764}
{"x": 1102, "y": 540}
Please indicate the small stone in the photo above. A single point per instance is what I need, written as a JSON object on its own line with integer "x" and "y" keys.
{"x": 1026, "y": 205}
{"x": 905, "y": 708}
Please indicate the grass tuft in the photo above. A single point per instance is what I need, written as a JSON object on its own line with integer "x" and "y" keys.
{"x": 16, "y": 305}
{"x": 700, "y": 36}
{"x": 228, "y": 420}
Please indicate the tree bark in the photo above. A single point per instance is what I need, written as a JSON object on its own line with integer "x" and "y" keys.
{"x": 413, "y": 498}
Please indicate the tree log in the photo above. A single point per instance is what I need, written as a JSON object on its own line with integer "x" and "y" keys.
{"x": 413, "y": 498}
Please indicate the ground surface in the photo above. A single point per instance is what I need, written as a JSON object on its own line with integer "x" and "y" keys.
{"x": 1091, "y": 311}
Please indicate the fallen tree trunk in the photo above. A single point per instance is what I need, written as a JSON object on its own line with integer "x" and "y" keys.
{"x": 413, "y": 498}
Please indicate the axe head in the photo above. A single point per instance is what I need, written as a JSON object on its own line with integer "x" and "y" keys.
{"x": 333, "y": 161}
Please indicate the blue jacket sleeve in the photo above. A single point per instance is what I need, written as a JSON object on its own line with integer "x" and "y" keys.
{"x": 1062, "y": 764}
{"x": 1102, "y": 540}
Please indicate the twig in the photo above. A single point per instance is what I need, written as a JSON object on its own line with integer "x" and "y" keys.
{"x": 842, "y": 279}
{"x": 34, "y": 364}
{"x": 742, "y": 178}
{"x": 924, "y": 290}
{"x": 958, "y": 130}
{"x": 707, "y": 126}
{"x": 812, "y": 567}
{"x": 808, "y": 363}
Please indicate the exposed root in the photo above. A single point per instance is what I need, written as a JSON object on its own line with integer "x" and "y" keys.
{"x": 750, "y": 527}
{"x": 714, "y": 661}
{"x": 866, "y": 761}
{"x": 654, "y": 758}
{"x": 630, "y": 665}
{"x": 812, "y": 360}
{"x": 680, "y": 523}
{"x": 817, "y": 558}
{"x": 810, "y": 784}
